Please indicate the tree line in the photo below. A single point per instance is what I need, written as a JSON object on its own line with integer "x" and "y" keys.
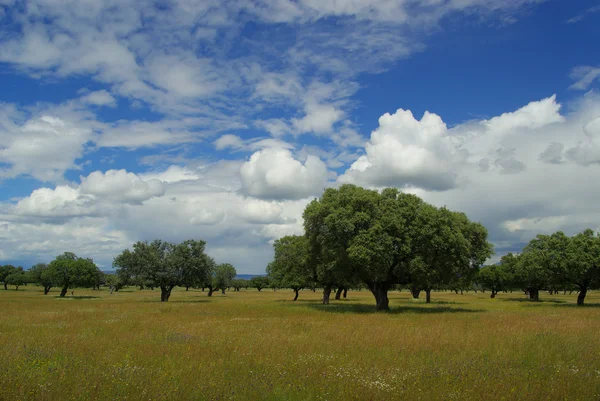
{"x": 392, "y": 240}
{"x": 353, "y": 237}
{"x": 553, "y": 263}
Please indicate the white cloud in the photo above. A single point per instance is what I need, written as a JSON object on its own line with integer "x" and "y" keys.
{"x": 121, "y": 186}
{"x": 319, "y": 119}
{"x": 275, "y": 174}
{"x": 43, "y": 147}
{"x": 404, "y": 152}
{"x": 60, "y": 202}
{"x": 228, "y": 141}
{"x": 584, "y": 77}
{"x": 99, "y": 98}
{"x": 172, "y": 174}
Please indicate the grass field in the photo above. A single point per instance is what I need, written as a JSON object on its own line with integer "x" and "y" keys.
{"x": 262, "y": 346}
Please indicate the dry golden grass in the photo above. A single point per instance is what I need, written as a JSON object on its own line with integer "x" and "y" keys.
{"x": 263, "y": 346}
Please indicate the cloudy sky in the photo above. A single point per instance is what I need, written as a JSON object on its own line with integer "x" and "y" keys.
{"x": 127, "y": 120}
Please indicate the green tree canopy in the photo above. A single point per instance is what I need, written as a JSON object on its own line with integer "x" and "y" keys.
{"x": 290, "y": 267}
{"x": 164, "y": 264}
{"x": 69, "y": 271}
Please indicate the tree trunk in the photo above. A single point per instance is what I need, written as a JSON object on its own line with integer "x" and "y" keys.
{"x": 345, "y": 292}
{"x": 428, "y": 296}
{"x": 210, "y": 291}
{"x": 141, "y": 287}
{"x": 63, "y": 292}
{"x": 581, "y": 296}
{"x": 46, "y": 289}
{"x": 534, "y": 295}
{"x": 296, "y": 296}
{"x": 326, "y": 294}
{"x": 380, "y": 291}
{"x": 223, "y": 290}
{"x": 16, "y": 288}
{"x": 338, "y": 293}
{"x": 5, "y": 286}
{"x": 415, "y": 292}
{"x": 165, "y": 293}
{"x": 187, "y": 287}
{"x": 493, "y": 295}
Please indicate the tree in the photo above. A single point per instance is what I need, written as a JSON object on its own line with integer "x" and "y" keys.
{"x": 114, "y": 281}
{"x": 446, "y": 247}
{"x": 259, "y": 282}
{"x": 17, "y": 279}
{"x": 40, "y": 274}
{"x": 355, "y": 233}
{"x": 224, "y": 275}
{"x": 237, "y": 284}
{"x": 68, "y": 271}
{"x": 582, "y": 267}
{"x": 492, "y": 278}
{"x": 163, "y": 264}
{"x": 6, "y": 271}
{"x": 542, "y": 258}
{"x": 290, "y": 267}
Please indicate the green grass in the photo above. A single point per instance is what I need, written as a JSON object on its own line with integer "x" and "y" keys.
{"x": 262, "y": 346}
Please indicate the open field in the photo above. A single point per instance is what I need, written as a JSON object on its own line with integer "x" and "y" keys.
{"x": 250, "y": 346}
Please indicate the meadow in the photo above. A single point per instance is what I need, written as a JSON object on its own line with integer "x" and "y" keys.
{"x": 251, "y": 345}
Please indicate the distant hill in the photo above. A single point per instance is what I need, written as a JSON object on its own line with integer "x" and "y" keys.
{"x": 248, "y": 276}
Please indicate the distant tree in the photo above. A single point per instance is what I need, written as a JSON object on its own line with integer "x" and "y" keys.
{"x": 237, "y": 284}
{"x": 69, "y": 271}
{"x": 259, "y": 282}
{"x": 114, "y": 281}
{"x": 224, "y": 275}
{"x": 163, "y": 264}
{"x": 290, "y": 267}
{"x": 39, "y": 274}
{"x": 493, "y": 278}
{"x": 17, "y": 279}
{"x": 6, "y": 271}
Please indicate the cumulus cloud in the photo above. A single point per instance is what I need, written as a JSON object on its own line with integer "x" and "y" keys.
{"x": 60, "y": 202}
{"x": 99, "y": 98}
{"x": 404, "y": 152}
{"x": 43, "y": 147}
{"x": 121, "y": 186}
{"x": 276, "y": 174}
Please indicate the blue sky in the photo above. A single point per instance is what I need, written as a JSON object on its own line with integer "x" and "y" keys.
{"x": 220, "y": 120}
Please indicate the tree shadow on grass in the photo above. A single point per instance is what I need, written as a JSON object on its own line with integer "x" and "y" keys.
{"x": 77, "y": 297}
{"x": 190, "y": 301}
{"x": 574, "y": 305}
{"x": 540, "y": 302}
{"x": 369, "y": 309}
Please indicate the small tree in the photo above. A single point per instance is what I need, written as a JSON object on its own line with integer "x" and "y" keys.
{"x": 238, "y": 284}
{"x": 164, "y": 264}
{"x": 259, "y": 282}
{"x": 224, "y": 275}
{"x": 17, "y": 279}
{"x": 68, "y": 271}
{"x": 493, "y": 278}
{"x": 290, "y": 267}
{"x": 6, "y": 271}
{"x": 582, "y": 267}
{"x": 39, "y": 274}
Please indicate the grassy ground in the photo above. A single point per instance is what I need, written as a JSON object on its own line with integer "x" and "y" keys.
{"x": 262, "y": 346}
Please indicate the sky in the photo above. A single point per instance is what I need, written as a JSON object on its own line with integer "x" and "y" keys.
{"x": 220, "y": 120}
